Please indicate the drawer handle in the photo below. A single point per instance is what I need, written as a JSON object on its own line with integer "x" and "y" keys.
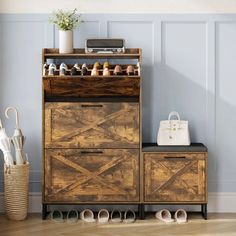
{"x": 91, "y": 152}
{"x": 171, "y": 157}
{"x": 92, "y": 105}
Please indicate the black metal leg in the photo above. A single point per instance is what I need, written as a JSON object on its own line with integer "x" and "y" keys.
{"x": 204, "y": 211}
{"x": 141, "y": 211}
{"x": 44, "y": 211}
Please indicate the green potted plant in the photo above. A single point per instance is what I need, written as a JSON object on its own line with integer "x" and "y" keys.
{"x": 66, "y": 22}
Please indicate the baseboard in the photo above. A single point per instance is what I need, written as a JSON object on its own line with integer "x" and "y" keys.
{"x": 222, "y": 202}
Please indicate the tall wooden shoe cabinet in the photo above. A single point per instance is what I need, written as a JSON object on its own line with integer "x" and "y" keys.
{"x": 92, "y": 142}
{"x": 91, "y": 133}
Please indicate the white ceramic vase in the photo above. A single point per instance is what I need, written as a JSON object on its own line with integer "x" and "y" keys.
{"x": 65, "y": 41}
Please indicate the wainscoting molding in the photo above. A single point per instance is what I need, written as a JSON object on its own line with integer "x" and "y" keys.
{"x": 189, "y": 65}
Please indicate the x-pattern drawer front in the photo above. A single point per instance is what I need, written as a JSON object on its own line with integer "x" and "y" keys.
{"x": 92, "y": 125}
{"x": 92, "y": 175}
{"x": 175, "y": 177}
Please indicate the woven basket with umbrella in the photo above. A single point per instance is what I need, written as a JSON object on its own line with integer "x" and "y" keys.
{"x": 16, "y": 174}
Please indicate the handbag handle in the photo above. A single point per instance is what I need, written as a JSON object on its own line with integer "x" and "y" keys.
{"x": 174, "y": 113}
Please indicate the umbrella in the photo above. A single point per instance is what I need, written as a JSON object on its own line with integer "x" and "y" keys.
{"x": 5, "y": 146}
{"x": 18, "y": 139}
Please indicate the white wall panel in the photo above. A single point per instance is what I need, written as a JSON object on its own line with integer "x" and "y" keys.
{"x": 183, "y": 75}
{"x": 141, "y": 34}
{"x": 225, "y": 103}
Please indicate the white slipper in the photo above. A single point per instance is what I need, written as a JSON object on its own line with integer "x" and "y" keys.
{"x": 87, "y": 216}
{"x": 116, "y": 216}
{"x": 72, "y": 216}
{"x": 129, "y": 216}
{"x": 181, "y": 216}
{"x": 164, "y": 215}
{"x": 56, "y": 216}
{"x": 103, "y": 216}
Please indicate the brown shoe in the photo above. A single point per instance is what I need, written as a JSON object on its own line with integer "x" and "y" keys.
{"x": 75, "y": 70}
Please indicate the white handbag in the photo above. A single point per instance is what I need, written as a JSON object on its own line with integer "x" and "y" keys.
{"x": 173, "y": 132}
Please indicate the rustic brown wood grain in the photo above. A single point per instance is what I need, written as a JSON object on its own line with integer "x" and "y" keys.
{"x": 78, "y": 87}
{"x": 92, "y": 125}
{"x": 80, "y": 53}
{"x": 90, "y": 175}
{"x": 175, "y": 177}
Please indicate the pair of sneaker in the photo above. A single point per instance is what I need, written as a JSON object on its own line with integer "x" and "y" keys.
{"x": 52, "y": 69}
{"x": 165, "y": 216}
{"x": 104, "y": 216}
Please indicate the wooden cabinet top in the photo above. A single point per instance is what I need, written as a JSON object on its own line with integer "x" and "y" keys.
{"x": 130, "y": 53}
{"x": 194, "y": 147}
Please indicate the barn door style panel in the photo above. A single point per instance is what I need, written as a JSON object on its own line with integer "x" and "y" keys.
{"x": 92, "y": 125}
{"x": 174, "y": 177}
{"x": 91, "y": 175}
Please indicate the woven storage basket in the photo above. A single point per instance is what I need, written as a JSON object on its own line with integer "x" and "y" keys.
{"x": 16, "y": 185}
